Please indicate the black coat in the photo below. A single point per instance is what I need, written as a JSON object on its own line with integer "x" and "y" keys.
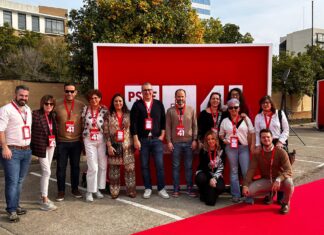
{"x": 40, "y": 132}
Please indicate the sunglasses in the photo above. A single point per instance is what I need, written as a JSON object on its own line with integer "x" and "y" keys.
{"x": 69, "y": 91}
{"x": 233, "y": 107}
{"x": 51, "y": 104}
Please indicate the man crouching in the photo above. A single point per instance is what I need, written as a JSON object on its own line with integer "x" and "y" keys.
{"x": 275, "y": 170}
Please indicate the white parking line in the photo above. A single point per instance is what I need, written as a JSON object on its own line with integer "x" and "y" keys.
{"x": 172, "y": 216}
{"x": 299, "y": 160}
{"x": 307, "y": 146}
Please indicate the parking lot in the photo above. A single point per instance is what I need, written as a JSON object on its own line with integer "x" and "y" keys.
{"x": 126, "y": 215}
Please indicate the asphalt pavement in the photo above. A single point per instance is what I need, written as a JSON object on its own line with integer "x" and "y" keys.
{"x": 126, "y": 215}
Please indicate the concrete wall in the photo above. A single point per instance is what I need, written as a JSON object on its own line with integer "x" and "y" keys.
{"x": 36, "y": 91}
{"x": 298, "y": 107}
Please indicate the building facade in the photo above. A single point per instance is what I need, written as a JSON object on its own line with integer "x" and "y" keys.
{"x": 41, "y": 19}
{"x": 297, "y": 41}
{"x": 202, "y": 7}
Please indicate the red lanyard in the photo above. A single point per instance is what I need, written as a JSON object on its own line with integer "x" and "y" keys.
{"x": 212, "y": 159}
{"x": 148, "y": 109}
{"x": 16, "y": 107}
{"x": 215, "y": 117}
{"x": 67, "y": 110}
{"x": 271, "y": 160}
{"x": 94, "y": 117}
{"x": 180, "y": 117}
{"x": 234, "y": 125}
{"x": 266, "y": 120}
{"x": 120, "y": 120}
{"x": 49, "y": 123}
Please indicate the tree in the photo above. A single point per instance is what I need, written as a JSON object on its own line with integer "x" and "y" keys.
{"x": 213, "y": 30}
{"x": 31, "y": 56}
{"x": 129, "y": 21}
{"x": 229, "y": 33}
{"x": 301, "y": 78}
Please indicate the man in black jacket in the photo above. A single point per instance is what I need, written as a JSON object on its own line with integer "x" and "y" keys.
{"x": 148, "y": 130}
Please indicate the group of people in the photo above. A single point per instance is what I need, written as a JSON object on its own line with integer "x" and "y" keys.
{"x": 110, "y": 136}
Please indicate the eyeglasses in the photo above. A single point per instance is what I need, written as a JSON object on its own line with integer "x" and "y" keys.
{"x": 51, "y": 104}
{"x": 233, "y": 107}
{"x": 146, "y": 90}
{"x": 69, "y": 91}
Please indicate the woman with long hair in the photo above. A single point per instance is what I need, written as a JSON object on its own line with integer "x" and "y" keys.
{"x": 120, "y": 147}
{"x": 209, "y": 175}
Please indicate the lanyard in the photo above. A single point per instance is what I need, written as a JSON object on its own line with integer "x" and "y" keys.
{"x": 94, "y": 116}
{"x": 267, "y": 122}
{"x": 148, "y": 109}
{"x": 234, "y": 125}
{"x": 215, "y": 117}
{"x": 21, "y": 115}
{"x": 120, "y": 120}
{"x": 271, "y": 160}
{"x": 49, "y": 123}
{"x": 212, "y": 159}
{"x": 67, "y": 110}
{"x": 180, "y": 117}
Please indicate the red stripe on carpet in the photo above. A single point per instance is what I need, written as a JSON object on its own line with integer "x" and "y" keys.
{"x": 306, "y": 216}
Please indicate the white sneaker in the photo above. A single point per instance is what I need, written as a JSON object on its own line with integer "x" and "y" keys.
{"x": 99, "y": 195}
{"x": 89, "y": 197}
{"x": 163, "y": 193}
{"x": 48, "y": 206}
{"x": 147, "y": 193}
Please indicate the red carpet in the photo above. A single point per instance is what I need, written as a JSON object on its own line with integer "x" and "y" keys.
{"x": 306, "y": 216}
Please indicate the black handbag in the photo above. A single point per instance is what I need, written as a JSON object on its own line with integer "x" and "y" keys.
{"x": 119, "y": 148}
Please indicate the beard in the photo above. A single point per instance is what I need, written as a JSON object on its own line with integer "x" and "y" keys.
{"x": 180, "y": 102}
{"x": 21, "y": 102}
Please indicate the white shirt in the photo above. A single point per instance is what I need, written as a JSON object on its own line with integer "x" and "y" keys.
{"x": 12, "y": 123}
{"x": 274, "y": 127}
{"x": 226, "y": 129}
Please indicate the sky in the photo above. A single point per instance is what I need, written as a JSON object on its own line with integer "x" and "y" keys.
{"x": 266, "y": 20}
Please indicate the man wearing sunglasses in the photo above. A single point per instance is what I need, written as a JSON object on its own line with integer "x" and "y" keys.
{"x": 15, "y": 152}
{"x": 69, "y": 140}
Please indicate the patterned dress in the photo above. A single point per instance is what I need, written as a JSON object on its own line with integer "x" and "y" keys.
{"x": 126, "y": 157}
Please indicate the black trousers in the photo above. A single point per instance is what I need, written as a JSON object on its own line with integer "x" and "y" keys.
{"x": 68, "y": 151}
{"x": 209, "y": 194}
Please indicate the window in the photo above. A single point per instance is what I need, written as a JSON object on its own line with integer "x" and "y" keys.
{"x": 320, "y": 37}
{"x": 7, "y": 18}
{"x": 35, "y": 23}
{"x": 202, "y": 11}
{"x": 21, "y": 21}
{"x": 54, "y": 26}
{"x": 205, "y": 2}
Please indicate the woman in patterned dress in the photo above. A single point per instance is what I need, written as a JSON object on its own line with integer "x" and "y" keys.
{"x": 120, "y": 147}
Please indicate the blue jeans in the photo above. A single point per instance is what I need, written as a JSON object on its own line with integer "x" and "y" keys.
{"x": 72, "y": 151}
{"x": 15, "y": 170}
{"x": 154, "y": 147}
{"x": 241, "y": 156}
{"x": 185, "y": 148}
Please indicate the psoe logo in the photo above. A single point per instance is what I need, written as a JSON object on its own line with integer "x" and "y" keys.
{"x": 134, "y": 93}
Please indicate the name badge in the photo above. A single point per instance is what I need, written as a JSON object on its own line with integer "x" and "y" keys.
{"x": 26, "y": 132}
{"x": 120, "y": 136}
{"x": 94, "y": 134}
{"x": 180, "y": 130}
{"x": 51, "y": 141}
{"x": 234, "y": 142}
{"x": 69, "y": 126}
{"x": 215, "y": 130}
{"x": 148, "y": 124}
